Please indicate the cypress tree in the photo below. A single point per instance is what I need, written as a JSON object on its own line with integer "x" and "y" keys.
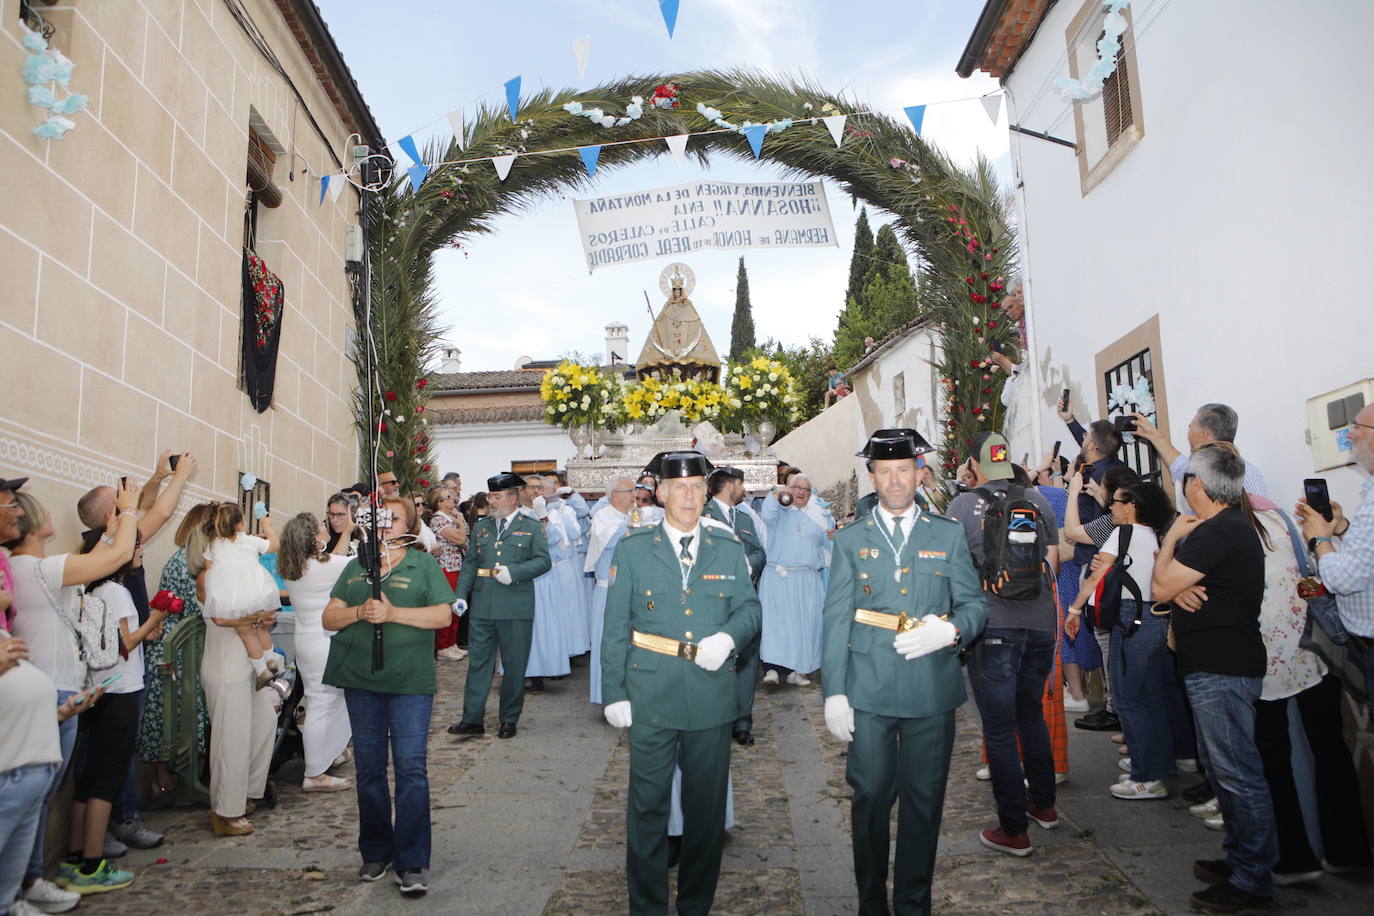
{"x": 888, "y": 258}
{"x": 859, "y": 262}
{"x": 742, "y": 327}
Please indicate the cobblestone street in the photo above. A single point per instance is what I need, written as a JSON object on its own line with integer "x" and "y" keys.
{"x": 536, "y": 825}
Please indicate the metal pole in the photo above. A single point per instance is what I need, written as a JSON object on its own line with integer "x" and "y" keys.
{"x": 374, "y": 556}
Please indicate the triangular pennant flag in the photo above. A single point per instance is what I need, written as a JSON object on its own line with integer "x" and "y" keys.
{"x": 503, "y": 164}
{"x": 678, "y": 146}
{"x": 580, "y": 51}
{"x": 513, "y": 96}
{"x": 835, "y": 124}
{"x": 590, "y": 155}
{"x": 669, "y": 10}
{"x": 408, "y": 144}
{"x": 755, "y": 135}
{"x": 992, "y": 104}
{"x": 324, "y": 187}
{"x": 336, "y": 187}
{"x": 455, "y": 121}
{"x": 417, "y": 175}
{"x": 917, "y": 114}
{"x": 398, "y": 154}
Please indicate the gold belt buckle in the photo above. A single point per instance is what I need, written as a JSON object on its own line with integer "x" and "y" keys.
{"x": 905, "y": 623}
{"x": 484, "y": 573}
{"x": 687, "y": 650}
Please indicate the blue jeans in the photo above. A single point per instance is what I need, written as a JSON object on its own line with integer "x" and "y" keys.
{"x": 67, "y": 735}
{"x": 23, "y": 792}
{"x": 403, "y": 720}
{"x": 1142, "y": 675}
{"x": 1224, "y": 711}
{"x": 1008, "y": 675}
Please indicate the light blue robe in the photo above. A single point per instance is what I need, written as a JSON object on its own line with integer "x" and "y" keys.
{"x": 598, "y": 621}
{"x": 549, "y": 642}
{"x": 791, "y": 589}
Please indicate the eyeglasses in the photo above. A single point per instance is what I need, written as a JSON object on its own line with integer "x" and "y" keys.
{"x": 1125, "y": 502}
{"x": 11, "y": 506}
{"x": 338, "y": 515}
{"x": 1361, "y": 425}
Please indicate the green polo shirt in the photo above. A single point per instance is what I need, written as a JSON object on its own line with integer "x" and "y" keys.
{"x": 408, "y": 652}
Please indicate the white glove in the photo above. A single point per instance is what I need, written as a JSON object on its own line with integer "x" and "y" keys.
{"x": 564, "y": 492}
{"x": 618, "y": 714}
{"x": 460, "y": 607}
{"x": 932, "y": 635}
{"x": 714, "y": 650}
{"x": 503, "y": 576}
{"x": 839, "y": 717}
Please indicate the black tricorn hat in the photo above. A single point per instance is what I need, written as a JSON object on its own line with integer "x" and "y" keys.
{"x": 726, "y": 471}
{"x": 895, "y": 443}
{"x": 505, "y": 481}
{"x": 679, "y": 464}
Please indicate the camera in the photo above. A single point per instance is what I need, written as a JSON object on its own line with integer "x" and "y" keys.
{"x": 172, "y": 461}
{"x": 1124, "y": 424}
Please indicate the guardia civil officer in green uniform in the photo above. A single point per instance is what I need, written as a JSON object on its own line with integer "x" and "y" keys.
{"x": 869, "y": 501}
{"x": 507, "y": 551}
{"x": 679, "y": 603}
{"x": 725, "y": 487}
{"x": 903, "y": 597}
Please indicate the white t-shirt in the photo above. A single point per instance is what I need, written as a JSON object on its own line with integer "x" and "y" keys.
{"x": 310, "y": 593}
{"x": 1144, "y": 546}
{"x": 28, "y": 717}
{"x": 52, "y": 645}
{"x": 130, "y": 670}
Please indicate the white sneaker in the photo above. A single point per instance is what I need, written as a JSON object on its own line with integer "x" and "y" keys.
{"x": 21, "y": 908}
{"x": 1140, "y": 790}
{"x": 1072, "y": 705}
{"x": 798, "y": 680}
{"x": 1186, "y": 764}
{"x": 770, "y": 677}
{"x": 1206, "y": 809}
{"x": 452, "y": 654}
{"x": 1215, "y": 823}
{"x": 983, "y": 773}
{"x": 47, "y": 897}
{"x": 1125, "y": 764}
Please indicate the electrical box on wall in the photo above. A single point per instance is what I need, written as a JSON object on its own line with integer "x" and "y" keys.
{"x": 1328, "y": 423}
{"x": 353, "y": 243}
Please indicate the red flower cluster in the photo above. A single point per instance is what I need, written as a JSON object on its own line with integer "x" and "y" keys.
{"x": 267, "y": 290}
{"x": 422, "y": 383}
{"x": 666, "y": 96}
{"x": 424, "y": 484}
{"x": 391, "y": 395}
{"x": 446, "y": 194}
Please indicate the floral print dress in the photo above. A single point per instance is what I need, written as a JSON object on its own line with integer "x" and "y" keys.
{"x": 177, "y": 579}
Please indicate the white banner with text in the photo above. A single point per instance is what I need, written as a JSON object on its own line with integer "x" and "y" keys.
{"x": 624, "y": 228}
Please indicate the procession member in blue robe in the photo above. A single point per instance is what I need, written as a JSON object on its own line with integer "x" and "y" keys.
{"x": 791, "y": 589}
{"x": 549, "y": 642}
{"x": 567, "y": 565}
{"x": 609, "y": 524}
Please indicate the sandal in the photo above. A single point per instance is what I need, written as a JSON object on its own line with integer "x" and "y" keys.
{"x": 326, "y": 783}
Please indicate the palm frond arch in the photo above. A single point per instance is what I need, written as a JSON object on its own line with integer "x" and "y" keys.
{"x": 952, "y": 217}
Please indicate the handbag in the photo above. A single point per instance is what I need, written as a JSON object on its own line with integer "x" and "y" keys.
{"x": 1320, "y": 608}
{"x": 95, "y": 628}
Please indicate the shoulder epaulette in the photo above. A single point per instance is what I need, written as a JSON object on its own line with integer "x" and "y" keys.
{"x": 635, "y": 532}
{"x": 714, "y": 523}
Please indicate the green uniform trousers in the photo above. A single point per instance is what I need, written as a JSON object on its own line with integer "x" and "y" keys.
{"x": 893, "y": 758}
{"x": 704, "y": 756}
{"x": 746, "y": 680}
{"x": 512, "y": 637}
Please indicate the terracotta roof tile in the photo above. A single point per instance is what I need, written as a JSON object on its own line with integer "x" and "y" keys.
{"x": 498, "y": 378}
{"x": 520, "y": 412}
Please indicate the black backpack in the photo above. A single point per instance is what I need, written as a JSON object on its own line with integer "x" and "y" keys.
{"x": 1013, "y": 545}
{"x": 1107, "y": 599}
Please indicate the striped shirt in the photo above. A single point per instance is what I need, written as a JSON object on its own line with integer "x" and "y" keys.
{"x": 1349, "y": 572}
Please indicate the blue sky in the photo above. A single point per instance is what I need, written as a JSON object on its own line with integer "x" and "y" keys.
{"x": 524, "y": 289}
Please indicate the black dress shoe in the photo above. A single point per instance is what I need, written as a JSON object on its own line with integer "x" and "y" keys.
{"x": 466, "y": 728}
{"x": 1202, "y": 792}
{"x": 1100, "y": 721}
{"x": 535, "y": 684}
{"x": 745, "y": 737}
{"x": 507, "y": 730}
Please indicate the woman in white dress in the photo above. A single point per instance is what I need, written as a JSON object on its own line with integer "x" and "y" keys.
{"x": 310, "y": 574}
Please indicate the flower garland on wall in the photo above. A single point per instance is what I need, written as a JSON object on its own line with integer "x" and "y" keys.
{"x": 1108, "y": 46}
{"x": 47, "y": 69}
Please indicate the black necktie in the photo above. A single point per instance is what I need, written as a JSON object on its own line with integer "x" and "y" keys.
{"x": 686, "y": 554}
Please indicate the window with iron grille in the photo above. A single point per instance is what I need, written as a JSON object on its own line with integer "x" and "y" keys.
{"x": 1138, "y": 454}
{"x": 261, "y": 492}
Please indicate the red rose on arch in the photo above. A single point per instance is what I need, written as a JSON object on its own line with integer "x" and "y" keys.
{"x": 424, "y": 467}
{"x": 391, "y": 395}
{"x": 422, "y": 482}
{"x": 382, "y": 427}
{"x": 421, "y": 383}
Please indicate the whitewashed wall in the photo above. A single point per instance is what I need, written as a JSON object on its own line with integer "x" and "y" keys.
{"x": 1238, "y": 219}
{"x": 479, "y": 450}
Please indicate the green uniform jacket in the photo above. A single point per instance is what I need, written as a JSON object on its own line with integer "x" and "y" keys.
{"x": 748, "y": 537}
{"x": 646, "y": 594}
{"x": 523, "y": 550}
{"x": 936, "y": 577}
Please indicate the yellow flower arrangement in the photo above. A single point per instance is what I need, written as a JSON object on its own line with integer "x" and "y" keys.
{"x": 576, "y": 395}
{"x": 760, "y": 389}
{"x": 693, "y": 398}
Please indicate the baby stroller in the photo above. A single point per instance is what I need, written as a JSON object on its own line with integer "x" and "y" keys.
{"x": 287, "y": 742}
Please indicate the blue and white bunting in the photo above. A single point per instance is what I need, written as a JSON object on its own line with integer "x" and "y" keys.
{"x": 502, "y": 165}
{"x": 590, "y": 156}
{"x": 513, "y": 96}
{"x": 417, "y": 174}
{"x": 669, "y": 10}
{"x": 917, "y": 114}
{"x": 455, "y": 121}
{"x": 407, "y": 144}
{"x": 581, "y": 48}
{"x": 754, "y": 133}
{"x": 835, "y": 124}
{"x": 324, "y": 188}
